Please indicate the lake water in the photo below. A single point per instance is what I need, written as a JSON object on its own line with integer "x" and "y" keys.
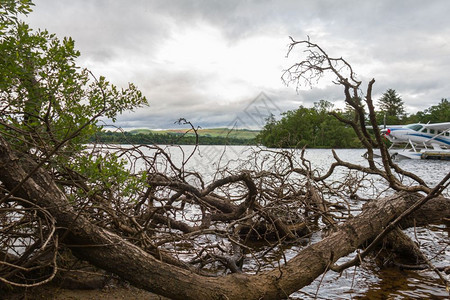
{"x": 365, "y": 281}
{"x": 207, "y": 159}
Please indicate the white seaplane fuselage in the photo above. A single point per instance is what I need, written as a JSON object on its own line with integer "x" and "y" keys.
{"x": 423, "y": 141}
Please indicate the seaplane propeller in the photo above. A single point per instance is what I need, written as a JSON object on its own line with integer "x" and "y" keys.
{"x": 385, "y": 132}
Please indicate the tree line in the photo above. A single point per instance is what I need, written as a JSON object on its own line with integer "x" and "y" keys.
{"x": 319, "y": 127}
{"x": 124, "y": 137}
{"x": 392, "y": 111}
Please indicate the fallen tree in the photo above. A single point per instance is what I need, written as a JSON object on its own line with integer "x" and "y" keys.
{"x": 115, "y": 254}
{"x": 154, "y": 222}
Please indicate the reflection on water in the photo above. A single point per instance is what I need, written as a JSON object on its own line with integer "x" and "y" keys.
{"x": 401, "y": 284}
{"x": 366, "y": 281}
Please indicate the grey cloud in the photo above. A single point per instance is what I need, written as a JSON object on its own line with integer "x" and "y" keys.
{"x": 100, "y": 27}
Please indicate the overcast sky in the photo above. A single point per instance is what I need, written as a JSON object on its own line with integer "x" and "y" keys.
{"x": 218, "y": 63}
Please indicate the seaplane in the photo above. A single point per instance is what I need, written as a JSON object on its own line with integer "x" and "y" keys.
{"x": 422, "y": 141}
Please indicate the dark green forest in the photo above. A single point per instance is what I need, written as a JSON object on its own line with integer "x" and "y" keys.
{"x": 317, "y": 127}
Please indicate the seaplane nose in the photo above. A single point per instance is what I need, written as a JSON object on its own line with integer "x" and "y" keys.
{"x": 386, "y": 131}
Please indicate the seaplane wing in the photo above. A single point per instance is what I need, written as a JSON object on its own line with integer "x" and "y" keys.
{"x": 438, "y": 126}
{"x": 385, "y": 126}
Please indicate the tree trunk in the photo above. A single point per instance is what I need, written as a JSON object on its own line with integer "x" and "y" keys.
{"x": 110, "y": 252}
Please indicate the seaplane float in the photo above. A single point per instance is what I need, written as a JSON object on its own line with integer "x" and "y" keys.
{"x": 421, "y": 141}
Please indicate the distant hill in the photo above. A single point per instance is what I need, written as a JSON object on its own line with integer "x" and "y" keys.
{"x": 207, "y": 132}
{"x": 209, "y": 136}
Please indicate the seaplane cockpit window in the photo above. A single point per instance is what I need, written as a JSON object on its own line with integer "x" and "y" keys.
{"x": 432, "y": 131}
{"x": 415, "y": 127}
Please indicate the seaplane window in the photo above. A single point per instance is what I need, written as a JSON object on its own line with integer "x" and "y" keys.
{"x": 415, "y": 127}
{"x": 432, "y": 131}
